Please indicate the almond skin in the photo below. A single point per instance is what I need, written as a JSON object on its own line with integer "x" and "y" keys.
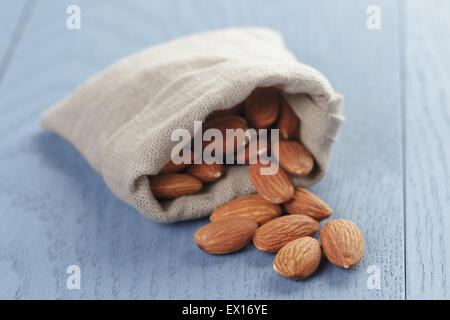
{"x": 225, "y": 236}
{"x": 248, "y": 153}
{"x": 262, "y": 107}
{"x": 206, "y": 172}
{"x": 298, "y": 259}
{"x": 273, "y": 235}
{"x": 342, "y": 242}
{"x": 305, "y": 202}
{"x": 236, "y": 111}
{"x": 252, "y": 207}
{"x": 294, "y": 158}
{"x": 172, "y": 185}
{"x": 223, "y": 123}
{"x": 171, "y": 167}
{"x": 276, "y": 188}
{"x": 288, "y": 121}
{"x": 227, "y": 122}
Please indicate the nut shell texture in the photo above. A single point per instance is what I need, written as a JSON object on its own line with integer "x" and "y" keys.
{"x": 275, "y": 188}
{"x": 172, "y": 185}
{"x": 262, "y": 107}
{"x": 225, "y": 236}
{"x": 273, "y": 235}
{"x": 305, "y": 202}
{"x": 298, "y": 259}
{"x": 206, "y": 172}
{"x": 252, "y": 207}
{"x": 294, "y": 158}
{"x": 288, "y": 121}
{"x": 342, "y": 242}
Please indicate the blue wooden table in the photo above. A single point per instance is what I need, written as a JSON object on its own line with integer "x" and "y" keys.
{"x": 389, "y": 173}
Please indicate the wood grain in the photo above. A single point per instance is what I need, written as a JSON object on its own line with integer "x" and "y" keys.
{"x": 427, "y": 124}
{"x": 12, "y": 19}
{"x": 56, "y": 211}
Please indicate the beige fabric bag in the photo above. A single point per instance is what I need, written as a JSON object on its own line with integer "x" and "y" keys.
{"x": 121, "y": 120}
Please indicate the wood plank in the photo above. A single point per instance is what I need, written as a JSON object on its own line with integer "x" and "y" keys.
{"x": 10, "y": 25}
{"x": 58, "y": 212}
{"x": 427, "y": 150}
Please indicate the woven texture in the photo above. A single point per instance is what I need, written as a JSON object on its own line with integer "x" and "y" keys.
{"x": 122, "y": 119}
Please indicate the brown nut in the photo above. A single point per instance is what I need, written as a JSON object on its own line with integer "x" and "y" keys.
{"x": 252, "y": 207}
{"x": 305, "y": 202}
{"x": 172, "y": 185}
{"x": 276, "y": 233}
{"x": 262, "y": 107}
{"x": 288, "y": 121}
{"x": 298, "y": 259}
{"x": 206, "y": 172}
{"x": 225, "y": 236}
{"x": 294, "y": 157}
{"x": 275, "y": 188}
{"x": 342, "y": 242}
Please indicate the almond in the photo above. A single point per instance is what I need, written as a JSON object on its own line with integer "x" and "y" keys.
{"x": 225, "y": 236}
{"x": 276, "y": 233}
{"x": 275, "y": 188}
{"x": 172, "y": 185}
{"x": 294, "y": 157}
{"x": 227, "y": 122}
{"x": 342, "y": 242}
{"x": 252, "y": 152}
{"x": 252, "y": 207}
{"x": 305, "y": 202}
{"x": 171, "y": 167}
{"x": 287, "y": 121}
{"x": 261, "y": 107}
{"x": 298, "y": 259}
{"x": 206, "y": 172}
{"x": 236, "y": 111}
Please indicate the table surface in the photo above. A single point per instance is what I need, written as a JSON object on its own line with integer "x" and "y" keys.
{"x": 389, "y": 171}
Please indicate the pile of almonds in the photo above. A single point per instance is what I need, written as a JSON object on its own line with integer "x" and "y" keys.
{"x": 265, "y": 108}
{"x": 234, "y": 224}
{"x": 258, "y": 217}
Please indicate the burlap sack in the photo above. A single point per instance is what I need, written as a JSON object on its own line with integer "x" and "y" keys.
{"x": 121, "y": 120}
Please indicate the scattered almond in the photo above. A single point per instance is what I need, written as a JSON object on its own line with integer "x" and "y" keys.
{"x": 273, "y": 235}
{"x": 234, "y": 224}
{"x": 172, "y": 185}
{"x": 305, "y": 202}
{"x": 342, "y": 242}
{"x": 275, "y": 188}
{"x": 262, "y": 106}
{"x": 288, "y": 121}
{"x": 206, "y": 172}
{"x": 252, "y": 207}
{"x": 298, "y": 259}
{"x": 294, "y": 157}
{"x": 225, "y": 236}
